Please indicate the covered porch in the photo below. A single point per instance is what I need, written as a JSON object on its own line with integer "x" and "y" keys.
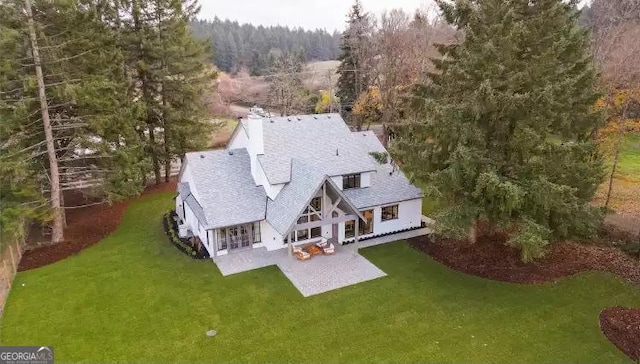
{"x": 322, "y": 223}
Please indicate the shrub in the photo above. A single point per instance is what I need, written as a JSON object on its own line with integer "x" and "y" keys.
{"x": 184, "y": 245}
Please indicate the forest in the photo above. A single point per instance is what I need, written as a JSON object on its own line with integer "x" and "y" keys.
{"x": 254, "y": 49}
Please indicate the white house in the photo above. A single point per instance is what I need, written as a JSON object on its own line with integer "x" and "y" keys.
{"x": 293, "y": 180}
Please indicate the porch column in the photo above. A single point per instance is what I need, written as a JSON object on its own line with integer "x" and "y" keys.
{"x": 289, "y": 245}
{"x": 215, "y": 242}
{"x": 355, "y": 240}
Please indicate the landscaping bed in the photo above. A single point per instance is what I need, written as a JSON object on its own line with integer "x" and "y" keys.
{"x": 85, "y": 227}
{"x": 622, "y": 327}
{"x": 491, "y": 258}
{"x": 183, "y": 245}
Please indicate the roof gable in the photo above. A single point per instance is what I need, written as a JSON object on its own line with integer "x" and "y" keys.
{"x": 306, "y": 182}
{"x": 322, "y": 141}
{"x": 226, "y": 190}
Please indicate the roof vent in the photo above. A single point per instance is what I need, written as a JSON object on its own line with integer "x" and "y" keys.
{"x": 288, "y": 119}
{"x": 230, "y": 152}
{"x": 337, "y": 152}
{"x": 315, "y": 117}
{"x": 202, "y": 156}
{"x": 272, "y": 121}
{"x": 299, "y": 119}
{"x": 328, "y": 116}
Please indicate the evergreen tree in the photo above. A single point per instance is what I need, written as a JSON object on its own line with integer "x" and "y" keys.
{"x": 504, "y": 131}
{"x": 94, "y": 141}
{"x": 355, "y": 57}
{"x": 170, "y": 77}
{"x": 186, "y": 79}
{"x": 249, "y": 41}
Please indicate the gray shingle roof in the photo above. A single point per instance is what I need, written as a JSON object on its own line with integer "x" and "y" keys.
{"x": 305, "y": 183}
{"x": 293, "y": 198}
{"x": 386, "y": 187}
{"x": 322, "y": 141}
{"x": 225, "y": 187}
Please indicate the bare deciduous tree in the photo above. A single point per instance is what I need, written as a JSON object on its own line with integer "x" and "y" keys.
{"x": 405, "y": 47}
{"x": 616, "y": 30}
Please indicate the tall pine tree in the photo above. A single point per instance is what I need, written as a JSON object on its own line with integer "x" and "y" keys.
{"x": 355, "y": 57}
{"x": 81, "y": 83}
{"x": 504, "y": 132}
{"x": 170, "y": 79}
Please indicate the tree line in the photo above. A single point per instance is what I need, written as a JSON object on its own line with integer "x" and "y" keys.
{"x": 256, "y": 49}
{"x": 102, "y": 91}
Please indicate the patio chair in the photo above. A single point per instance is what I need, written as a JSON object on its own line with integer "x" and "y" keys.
{"x": 329, "y": 249}
{"x": 322, "y": 244}
{"x": 301, "y": 254}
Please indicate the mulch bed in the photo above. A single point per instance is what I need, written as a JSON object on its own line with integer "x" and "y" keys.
{"x": 490, "y": 258}
{"x": 85, "y": 227}
{"x": 622, "y": 327}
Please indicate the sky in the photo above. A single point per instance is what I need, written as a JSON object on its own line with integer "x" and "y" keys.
{"x": 308, "y": 14}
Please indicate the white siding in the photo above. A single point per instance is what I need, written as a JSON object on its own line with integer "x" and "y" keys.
{"x": 271, "y": 190}
{"x": 409, "y": 216}
{"x": 271, "y": 239}
{"x": 239, "y": 140}
{"x": 179, "y": 209}
{"x": 196, "y": 227}
{"x": 337, "y": 180}
{"x": 256, "y": 135}
{"x": 365, "y": 179}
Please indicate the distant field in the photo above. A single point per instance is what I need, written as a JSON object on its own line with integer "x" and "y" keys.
{"x": 626, "y": 185}
{"x": 322, "y": 65}
{"x": 630, "y": 158}
{"x": 222, "y": 135}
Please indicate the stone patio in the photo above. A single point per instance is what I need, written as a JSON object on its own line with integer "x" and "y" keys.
{"x": 320, "y": 274}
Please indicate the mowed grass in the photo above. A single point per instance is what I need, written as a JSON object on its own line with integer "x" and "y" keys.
{"x": 134, "y": 297}
{"x": 626, "y": 184}
{"x": 629, "y": 165}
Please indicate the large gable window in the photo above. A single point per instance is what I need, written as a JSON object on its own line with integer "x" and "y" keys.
{"x": 351, "y": 181}
{"x": 312, "y": 213}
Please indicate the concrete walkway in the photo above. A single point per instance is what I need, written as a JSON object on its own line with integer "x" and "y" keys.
{"x": 320, "y": 274}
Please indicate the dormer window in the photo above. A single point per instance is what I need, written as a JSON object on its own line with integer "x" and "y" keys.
{"x": 351, "y": 181}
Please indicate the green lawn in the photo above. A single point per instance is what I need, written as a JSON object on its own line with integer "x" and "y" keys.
{"x": 630, "y": 157}
{"x": 133, "y": 297}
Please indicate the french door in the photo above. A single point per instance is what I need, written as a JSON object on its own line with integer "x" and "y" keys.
{"x": 240, "y": 237}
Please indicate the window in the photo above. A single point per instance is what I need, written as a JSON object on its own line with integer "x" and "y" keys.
{"x": 350, "y": 229}
{"x": 302, "y": 235}
{"x": 316, "y": 203}
{"x": 390, "y": 213}
{"x": 312, "y": 213}
{"x": 367, "y": 226}
{"x": 350, "y": 181}
{"x": 257, "y": 237}
{"x": 222, "y": 239}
